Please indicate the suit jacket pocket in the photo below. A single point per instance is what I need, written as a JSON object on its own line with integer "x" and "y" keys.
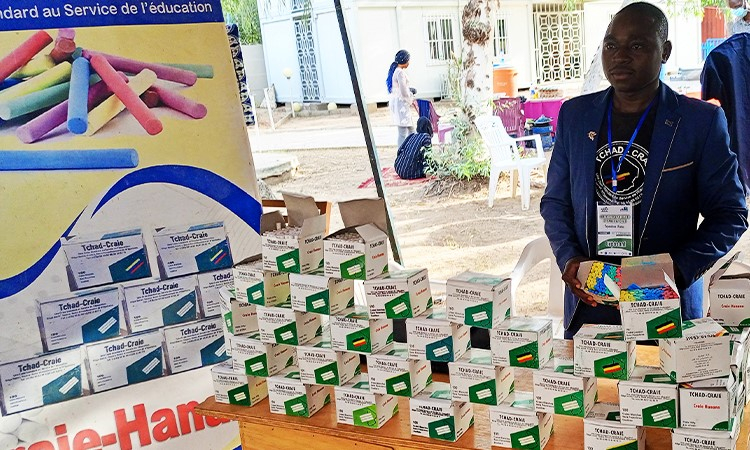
{"x": 679, "y": 167}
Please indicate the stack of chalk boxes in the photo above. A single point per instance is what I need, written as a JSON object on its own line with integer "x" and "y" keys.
{"x": 302, "y": 342}
{"x": 121, "y": 322}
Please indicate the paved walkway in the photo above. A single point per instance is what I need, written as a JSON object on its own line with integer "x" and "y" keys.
{"x": 308, "y": 139}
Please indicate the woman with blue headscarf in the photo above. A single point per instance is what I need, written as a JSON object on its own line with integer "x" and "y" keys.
{"x": 402, "y": 97}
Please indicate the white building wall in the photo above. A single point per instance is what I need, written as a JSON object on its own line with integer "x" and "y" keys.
{"x": 280, "y": 50}
{"x": 333, "y": 70}
{"x": 520, "y": 30}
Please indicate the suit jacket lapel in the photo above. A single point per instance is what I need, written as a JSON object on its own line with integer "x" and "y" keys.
{"x": 665, "y": 128}
{"x": 592, "y": 124}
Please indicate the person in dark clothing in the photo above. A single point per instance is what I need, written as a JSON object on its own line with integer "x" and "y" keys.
{"x": 410, "y": 157}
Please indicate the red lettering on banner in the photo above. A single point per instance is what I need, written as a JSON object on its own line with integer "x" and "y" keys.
{"x": 184, "y": 412}
{"x": 166, "y": 425}
{"x": 125, "y": 427}
{"x": 215, "y": 421}
{"x": 87, "y": 440}
{"x": 44, "y": 445}
{"x": 62, "y": 440}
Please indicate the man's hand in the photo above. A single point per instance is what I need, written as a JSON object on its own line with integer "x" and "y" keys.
{"x": 569, "y": 277}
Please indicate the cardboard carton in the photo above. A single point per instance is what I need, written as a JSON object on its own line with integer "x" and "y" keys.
{"x": 475, "y": 379}
{"x": 601, "y": 280}
{"x": 691, "y": 439}
{"x": 601, "y": 351}
{"x": 124, "y": 361}
{"x": 435, "y": 415}
{"x": 391, "y": 372}
{"x": 649, "y": 398}
{"x": 236, "y": 388}
{"x": 701, "y": 353}
{"x": 288, "y": 395}
{"x": 709, "y": 404}
{"x": 729, "y": 294}
{"x": 254, "y": 357}
{"x": 161, "y": 303}
{"x": 557, "y": 390}
{"x": 357, "y": 405}
{"x": 283, "y": 325}
{"x": 602, "y": 430}
{"x": 514, "y": 423}
{"x": 317, "y": 293}
{"x": 238, "y": 317}
{"x": 193, "y": 345}
{"x": 522, "y": 342}
{"x": 185, "y": 250}
{"x": 209, "y": 284}
{"x": 255, "y": 285}
{"x": 296, "y": 246}
{"x": 478, "y": 300}
{"x": 354, "y": 331}
{"x": 433, "y": 338}
{"x": 399, "y": 294}
{"x": 319, "y": 364}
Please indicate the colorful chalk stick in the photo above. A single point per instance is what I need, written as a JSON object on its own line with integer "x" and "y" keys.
{"x": 63, "y": 50}
{"x": 108, "y": 109}
{"x": 38, "y": 127}
{"x": 66, "y": 33}
{"x": 24, "y": 53}
{"x": 130, "y": 99}
{"x": 112, "y": 158}
{"x": 34, "y": 67}
{"x": 9, "y": 82}
{"x": 78, "y": 111}
{"x": 38, "y": 100}
{"x": 163, "y": 72}
{"x": 200, "y": 70}
{"x": 56, "y": 75}
{"x": 180, "y": 103}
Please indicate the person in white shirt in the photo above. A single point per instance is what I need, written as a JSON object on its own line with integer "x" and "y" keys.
{"x": 402, "y": 96}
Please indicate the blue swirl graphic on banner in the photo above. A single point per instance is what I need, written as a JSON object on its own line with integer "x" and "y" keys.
{"x": 213, "y": 186}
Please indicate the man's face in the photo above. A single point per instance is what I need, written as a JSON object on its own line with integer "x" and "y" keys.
{"x": 632, "y": 53}
{"x": 734, "y": 4}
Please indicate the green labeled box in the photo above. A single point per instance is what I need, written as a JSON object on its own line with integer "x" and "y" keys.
{"x": 522, "y": 342}
{"x": 602, "y": 430}
{"x": 160, "y": 303}
{"x": 355, "y": 331}
{"x": 357, "y": 405}
{"x": 649, "y": 398}
{"x": 691, "y": 439}
{"x": 288, "y": 395}
{"x": 701, "y": 353}
{"x": 254, "y": 285}
{"x": 557, "y": 390}
{"x": 237, "y": 388}
{"x": 97, "y": 259}
{"x": 399, "y": 294}
{"x": 709, "y": 404}
{"x": 434, "y": 338}
{"x": 193, "y": 345}
{"x": 391, "y": 372}
{"x": 649, "y": 299}
{"x": 256, "y": 358}
{"x": 515, "y": 424}
{"x": 283, "y": 325}
{"x": 296, "y": 246}
{"x": 320, "y": 294}
{"x": 601, "y": 351}
{"x": 360, "y": 250}
{"x": 478, "y": 299}
{"x": 434, "y": 415}
{"x": 238, "y": 317}
{"x": 319, "y": 364}
{"x": 729, "y": 294}
{"x": 475, "y": 379}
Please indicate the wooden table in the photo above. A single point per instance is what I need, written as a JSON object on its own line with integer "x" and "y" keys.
{"x": 261, "y": 430}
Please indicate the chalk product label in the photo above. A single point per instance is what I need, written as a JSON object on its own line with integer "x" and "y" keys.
{"x": 296, "y": 406}
{"x": 359, "y": 341}
{"x": 132, "y": 267}
{"x": 525, "y": 356}
{"x": 614, "y": 367}
{"x": 366, "y": 417}
{"x": 103, "y": 327}
{"x": 64, "y": 387}
{"x": 665, "y": 326}
{"x": 399, "y": 307}
{"x": 183, "y": 310}
{"x": 328, "y": 374}
{"x": 288, "y": 262}
{"x": 440, "y": 351}
{"x": 479, "y": 315}
{"x": 146, "y": 368}
{"x": 214, "y": 353}
{"x": 483, "y": 393}
{"x": 228, "y": 322}
{"x": 319, "y": 303}
{"x": 256, "y": 294}
{"x": 214, "y": 258}
{"x": 399, "y": 385}
{"x": 444, "y": 429}
{"x": 527, "y": 439}
{"x": 570, "y": 405}
{"x": 286, "y": 334}
{"x": 239, "y": 395}
{"x": 663, "y": 415}
{"x": 354, "y": 269}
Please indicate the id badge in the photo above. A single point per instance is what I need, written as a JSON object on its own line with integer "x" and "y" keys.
{"x": 614, "y": 230}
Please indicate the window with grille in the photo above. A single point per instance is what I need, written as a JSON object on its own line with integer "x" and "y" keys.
{"x": 501, "y": 37}
{"x": 440, "y": 42}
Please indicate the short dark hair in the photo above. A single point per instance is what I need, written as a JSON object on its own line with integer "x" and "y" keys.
{"x": 652, "y": 12}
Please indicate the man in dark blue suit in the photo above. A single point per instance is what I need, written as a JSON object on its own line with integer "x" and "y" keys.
{"x": 634, "y": 167}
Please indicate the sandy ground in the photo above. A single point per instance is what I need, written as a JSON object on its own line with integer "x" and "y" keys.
{"x": 445, "y": 234}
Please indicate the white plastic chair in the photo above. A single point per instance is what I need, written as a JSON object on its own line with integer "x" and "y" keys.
{"x": 534, "y": 253}
{"x": 504, "y": 156}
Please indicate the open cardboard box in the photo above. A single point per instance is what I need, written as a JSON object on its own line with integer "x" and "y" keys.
{"x": 729, "y": 294}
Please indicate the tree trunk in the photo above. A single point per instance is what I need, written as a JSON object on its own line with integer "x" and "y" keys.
{"x": 476, "y": 78}
{"x": 595, "y": 74}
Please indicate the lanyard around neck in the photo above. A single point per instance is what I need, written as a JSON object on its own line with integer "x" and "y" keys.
{"x": 616, "y": 170}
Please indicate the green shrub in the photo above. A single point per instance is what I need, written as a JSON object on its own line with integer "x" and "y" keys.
{"x": 245, "y": 14}
{"x": 464, "y": 158}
